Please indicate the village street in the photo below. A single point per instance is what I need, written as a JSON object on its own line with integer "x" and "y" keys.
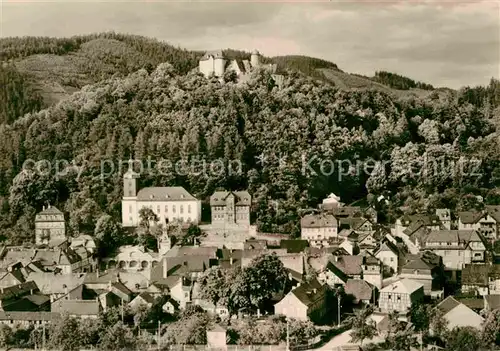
{"x": 345, "y": 339}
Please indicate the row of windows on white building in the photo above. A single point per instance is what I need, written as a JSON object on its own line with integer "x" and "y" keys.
{"x": 158, "y": 209}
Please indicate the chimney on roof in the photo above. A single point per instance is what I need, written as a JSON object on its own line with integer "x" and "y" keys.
{"x": 315, "y": 291}
{"x": 231, "y": 261}
{"x": 165, "y": 268}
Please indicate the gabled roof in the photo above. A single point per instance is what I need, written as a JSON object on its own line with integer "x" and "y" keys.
{"x": 447, "y": 304}
{"x": 493, "y": 301}
{"x": 493, "y": 211}
{"x": 387, "y": 246}
{"x": 405, "y": 286}
{"x": 344, "y": 211}
{"x": 294, "y": 246}
{"x": 352, "y": 222}
{"x": 180, "y": 251}
{"x": 50, "y": 283}
{"x": 18, "y": 290}
{"x": 369, "y": 259}
{"x": 460, "y": 236}
{"x": 350, "y": 265}
{"x": 470, "y": 217}
{"x": 241, "y": 198}
{"x": 76, "y": 307}
{"x": 425, "y": 219}
{"x": 17, "y": 274}
{"x": 425, "y": 260}
{"x": 413, "y": 227}
{"x": 146, "y": 297}
{"x": 308, "y": 293}
{"x": 333, "y": 268}
{"x": 38, "y": 299}
{"x": 50, "y": 210}
{"x": 101, "y": 278}
{"x": 318, "y": 221}
{"x": 214, "y": 53}
{"x": 168, "y": 193}
{"x": 360, "y": 289}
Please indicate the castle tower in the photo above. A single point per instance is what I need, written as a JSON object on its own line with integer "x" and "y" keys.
{"x": 129, "y": 201}
{"x": 213, "y": 62}
{"x": 255, "y": 59}
{"x": 219, "y": 64}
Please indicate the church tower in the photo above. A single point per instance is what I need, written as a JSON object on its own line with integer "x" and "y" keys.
{"x": 129, "y": 200}
{"x": 164, "y": 242}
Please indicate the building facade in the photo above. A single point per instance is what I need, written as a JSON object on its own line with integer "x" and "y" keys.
{"x": 50, "y": 227}
{"x": 456, "y": 247}
{"x": 318, "y": 229}
{"x": 230, "y": 207}
{"x": 487, "y": 222}
{"x": 400, "y": 296}
{"x": 170, "y": 204}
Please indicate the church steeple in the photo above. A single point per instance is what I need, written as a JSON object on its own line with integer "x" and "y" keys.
{"x": 130, "y": 181}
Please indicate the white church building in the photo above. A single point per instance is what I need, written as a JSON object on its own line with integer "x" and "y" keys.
{"x": 170, "y": 204}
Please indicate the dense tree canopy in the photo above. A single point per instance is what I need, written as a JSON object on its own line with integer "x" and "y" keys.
{"x": 290, "y": 147}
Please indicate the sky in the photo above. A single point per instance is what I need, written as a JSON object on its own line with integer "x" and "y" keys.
{"x": 444, "y": 43}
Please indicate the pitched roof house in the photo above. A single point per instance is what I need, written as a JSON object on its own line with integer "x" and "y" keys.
{"x": 457, "y": 247}
{"x": 77, "y": 308}
{"x": 400, "y": 295}
{"x": 459, "y": 315}
{"x": 360, "y": 290}
{"x": 307, "y": 301}
{"x": 426, "y": 268}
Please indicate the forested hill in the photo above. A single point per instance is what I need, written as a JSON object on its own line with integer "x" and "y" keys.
{"x": 132, "y": 104}
{"x": 163, "y": 114}
{"x": 39, "y": 71}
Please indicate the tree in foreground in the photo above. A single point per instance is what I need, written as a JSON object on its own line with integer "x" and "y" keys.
{"x": 491, "y": 329}
{"x": 362, "y": 328}
{"x": 464, "y": 339}
{"x": 65, "y": 334}
{"x": 118, "y": 338}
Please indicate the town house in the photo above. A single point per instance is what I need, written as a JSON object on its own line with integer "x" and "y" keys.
{"x": 318, "y": 229}
{"x": 487, "y": 222}
{"x": 305, "y": 302}
{"x": 400, "y": 296}
{"x": 430, "y": 221}
{"x": 427, "y": 269}
{"x": 230, "y": 207}
{"x": 481, "y": 279}
{"x": 388, "y": 254}
{"x": 456, "y": 247}
{"x": 50, "y": 227}
{"x": 458, "y": 315}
